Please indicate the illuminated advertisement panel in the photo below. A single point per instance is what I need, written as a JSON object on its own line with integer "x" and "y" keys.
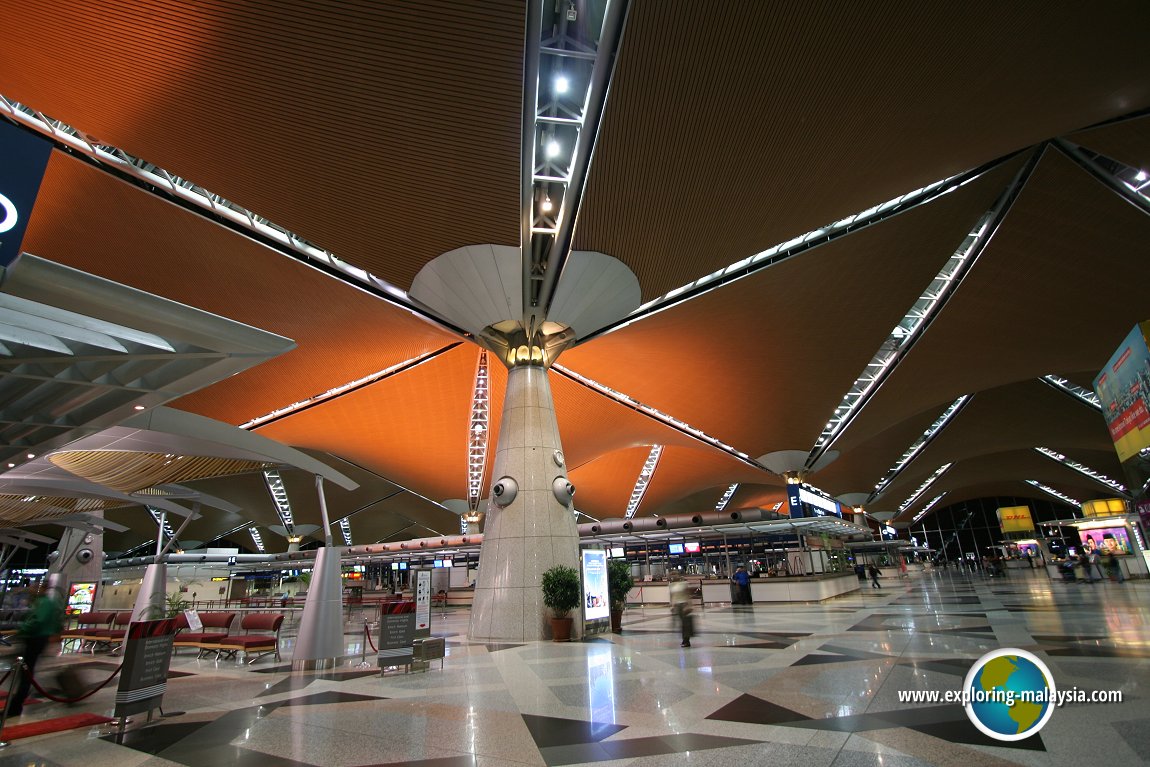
{"x": 1123, "y": 387}
{"x": 80, "y": 598}
{"x": 595, "y": 604}
{"x": 1015, "y": 519}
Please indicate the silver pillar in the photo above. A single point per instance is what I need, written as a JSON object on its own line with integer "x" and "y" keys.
{"x": 320, "y": 640}
{"x": 151, "y": 601}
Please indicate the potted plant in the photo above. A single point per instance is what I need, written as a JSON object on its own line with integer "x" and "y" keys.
{"x": 561, "y": 595}
{"x": 619, "y": 583}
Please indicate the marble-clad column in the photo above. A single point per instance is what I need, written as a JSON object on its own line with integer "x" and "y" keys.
{"x": 533, "y": 532}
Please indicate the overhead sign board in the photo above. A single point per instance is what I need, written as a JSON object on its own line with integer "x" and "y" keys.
{"x": 23, "y": 159}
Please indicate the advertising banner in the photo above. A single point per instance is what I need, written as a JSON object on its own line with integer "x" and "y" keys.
{"x": 23, "y": 159}
{"x": 423, "y": 603}
{"x": 144, "y": 677}
{"x": 1015, "y": 519}
{"x": 1123, "y": 387}
{"x": 595, "y": 604}
{"x": 80, "y": 598}
{"x": 794, "y": 502}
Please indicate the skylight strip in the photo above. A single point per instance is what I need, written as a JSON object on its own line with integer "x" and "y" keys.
{"x": 658, "y": 415}
{"x": 722, "y": 504}
{"x": 906, "y": 332}
{"x": 796, "y": 246}
{"x": 275, "y": 485}
{"x": 345, "y": 388}
{"x": 1085, "y": 396}
{"x": 1052, "y": 492}
{"x": 922, "y": 488}
{"x": 158, "y": 180}
{"x": 477, "y": 440}
{"x": 345, "y": 528}
{"x": 913, "y": 451}
{"x": 929, "y": 505}
{"x": 644, "y": 479}
{"x": 257, "y": 539}
{"x": 1132, "y": 184}
{"x": 1084, "y": 470}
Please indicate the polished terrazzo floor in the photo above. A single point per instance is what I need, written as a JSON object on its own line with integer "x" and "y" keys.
{"x": 809, "y": 685}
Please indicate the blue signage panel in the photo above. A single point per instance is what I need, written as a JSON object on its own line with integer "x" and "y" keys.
{"x": 23, "y": 158}
{"x": 793, "y": 500}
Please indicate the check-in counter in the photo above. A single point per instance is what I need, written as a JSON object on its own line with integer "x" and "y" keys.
{"x": 805, "y": 588}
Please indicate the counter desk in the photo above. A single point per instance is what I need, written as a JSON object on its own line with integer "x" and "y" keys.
{"x": 798, "y": 588}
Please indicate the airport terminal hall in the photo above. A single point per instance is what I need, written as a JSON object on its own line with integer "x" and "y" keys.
{"x": 572, "y": 383}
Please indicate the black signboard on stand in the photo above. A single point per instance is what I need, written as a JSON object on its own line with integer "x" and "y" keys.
{"x": 396, "y": 633}
{"x": 144, "y": 678}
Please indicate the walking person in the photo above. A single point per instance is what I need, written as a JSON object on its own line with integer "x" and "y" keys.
{"x": 44, "y": 621}
{"x": 680, "y": 595}
{"x": 874, "y": 574}
{"x": 743, "y": 581}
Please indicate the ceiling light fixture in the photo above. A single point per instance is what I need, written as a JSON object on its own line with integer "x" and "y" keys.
{"x": 562, "y": 84}
{"x": 552, "y": 148}
{"x": 546, "y": 205}
{"x": 138, "y": 407}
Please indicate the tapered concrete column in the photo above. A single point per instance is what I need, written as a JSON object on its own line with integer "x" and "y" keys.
{"x": 151, "y": 601}
{"x": 536, "y": 530}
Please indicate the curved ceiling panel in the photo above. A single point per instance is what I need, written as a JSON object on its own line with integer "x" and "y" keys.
{"x": 762, "y": 363}
{"x": 88, "y": 220}
{"x": 347, "y": 123}
{"x": 129, "y": 472}
{"x": 603, "y": 486}
{"x": 411, "y": 428}
{"x": 1050, "y": 292}
{"x": 730, "y": 131}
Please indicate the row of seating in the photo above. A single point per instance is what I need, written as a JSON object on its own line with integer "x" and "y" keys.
{"x": 106, "y": 630}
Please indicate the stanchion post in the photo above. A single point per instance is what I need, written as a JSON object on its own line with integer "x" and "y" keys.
{"x": 17, "y": 671}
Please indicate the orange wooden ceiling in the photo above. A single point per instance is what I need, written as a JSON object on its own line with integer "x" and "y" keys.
{"x": 778, "y": 118}
{"x": 351, "y": 124}
{"x": 389, "y": 133}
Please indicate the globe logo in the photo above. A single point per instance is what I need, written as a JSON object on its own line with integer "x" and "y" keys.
{"x": 1009, "y": 694}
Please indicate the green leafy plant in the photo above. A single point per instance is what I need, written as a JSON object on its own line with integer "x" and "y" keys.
{"x": 174, "y": 605}
{"x": 619, "y": 583}
{"x": 561, "y": 589}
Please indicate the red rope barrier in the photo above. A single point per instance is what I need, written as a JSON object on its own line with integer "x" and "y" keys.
{"x": 50, "y": 696}
{"x": 366, "y": 633}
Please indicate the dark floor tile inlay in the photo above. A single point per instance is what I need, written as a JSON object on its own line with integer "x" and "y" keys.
{"x": 750, "y": 709}
{"x": 321, "y": 698}
{"x": 966, "y": 733}
{"x": 549, "y": 731}
{"x": 154, "y": 739}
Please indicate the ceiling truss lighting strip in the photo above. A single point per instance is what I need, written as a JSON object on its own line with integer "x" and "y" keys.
{"x": 1131, "y": 184}
{"x": 477, "y": 440}
{"x": 915, "y": 449}
{"x": 275, "y": 485}
{"x": 1085, "y": 471}
{"x": 921, "y": 314}
{"x": 1054, "y": 493}
{"x": 923, "y": 487}
{"x": 257, "y": 539}
{"x": 345, "y": 528}
{"x": 346, "y": 388}
{"x": 162, "y": 521}
{"x": 800, "y": 245}
{"x": 644, "y": 479}
{"x": 658, "y": 415}
{"x": 722, "y": 504}
{"x": 568, "y": 65}
{"x": 929, "y": 505}
{"x": 191, "y": 197}
{"x": 1085, "y": 396}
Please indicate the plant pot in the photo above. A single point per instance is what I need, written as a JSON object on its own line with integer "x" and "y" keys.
{"x": 561, "y": 629}
{"x": 617, "y": 621}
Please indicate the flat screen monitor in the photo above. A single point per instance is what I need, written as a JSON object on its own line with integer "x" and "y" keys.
{"x": 438, "y": 563}
{"x": 402, "y": 565}
{"x": 616, "y": 552}
{"x": 675, "y": 548}
{"x": 394, "y": 565}
{"x": 691, "y": 547}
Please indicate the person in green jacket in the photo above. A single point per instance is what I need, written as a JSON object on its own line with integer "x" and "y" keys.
{"x": 44, "y": 621}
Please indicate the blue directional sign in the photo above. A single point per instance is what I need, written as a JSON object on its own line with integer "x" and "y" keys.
{"x": 23, "y": 158}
